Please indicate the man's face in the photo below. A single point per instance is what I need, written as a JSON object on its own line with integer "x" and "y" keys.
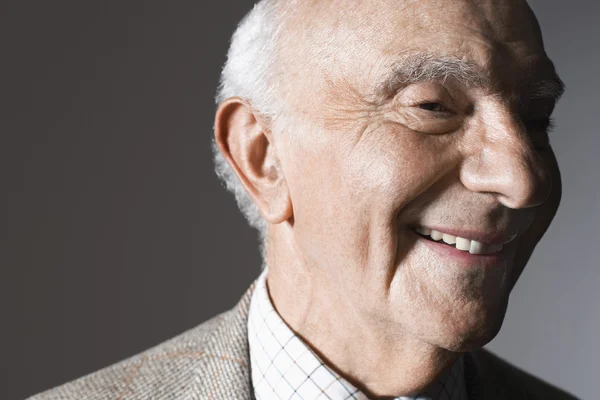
{"x": 376, "y": 154}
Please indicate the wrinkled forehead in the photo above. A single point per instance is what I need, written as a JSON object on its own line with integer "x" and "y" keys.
{"x": 357, "y": 40}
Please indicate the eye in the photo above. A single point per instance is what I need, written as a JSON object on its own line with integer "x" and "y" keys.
{"x": 543, "y": 124}
{"x": 435, "y": 107}
{"x": 430, "y": 108}
{"x": 538, "y": 129}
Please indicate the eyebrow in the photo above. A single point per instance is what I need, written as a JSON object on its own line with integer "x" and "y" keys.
{"x": 427, "y": 68}
{"x": 552, "y": 88}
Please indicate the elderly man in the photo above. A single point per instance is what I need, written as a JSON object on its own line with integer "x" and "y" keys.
{"x": 394, "y": 156}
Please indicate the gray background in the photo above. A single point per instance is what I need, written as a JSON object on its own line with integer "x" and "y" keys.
{"x": 116, "y": 235}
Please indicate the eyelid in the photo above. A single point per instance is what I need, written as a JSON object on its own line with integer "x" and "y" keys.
{"x": 406, "y": 109}
{"x": 425, "y": 92}
{"x": 445, "y": 109}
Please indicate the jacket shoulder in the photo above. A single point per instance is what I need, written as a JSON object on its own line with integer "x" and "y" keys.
{"x": 159, "y": 369}
{"x": 500, "y": 376}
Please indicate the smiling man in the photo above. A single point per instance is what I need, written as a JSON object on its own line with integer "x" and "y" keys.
{"x": 394, "y": 157}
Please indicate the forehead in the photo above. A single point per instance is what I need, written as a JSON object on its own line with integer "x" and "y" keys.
{"x": 358, "y": 41}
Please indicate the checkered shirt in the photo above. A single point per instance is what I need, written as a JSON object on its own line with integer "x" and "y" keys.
{"x": 284, "y": 367}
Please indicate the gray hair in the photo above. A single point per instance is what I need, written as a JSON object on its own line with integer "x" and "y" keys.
{"x": 248, "y": 73}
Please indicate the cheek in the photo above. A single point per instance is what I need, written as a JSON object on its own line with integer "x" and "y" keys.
{"x": 339, "y": 184}
{"x": 394, "y": 165}
{"x": 326, "y": 222}
{"x": 347, "y": 194}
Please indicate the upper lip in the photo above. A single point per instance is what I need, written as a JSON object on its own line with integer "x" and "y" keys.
{"x": 487, "y": 237}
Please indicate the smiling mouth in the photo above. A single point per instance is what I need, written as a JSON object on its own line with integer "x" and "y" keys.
{"x": 459, "y": 243}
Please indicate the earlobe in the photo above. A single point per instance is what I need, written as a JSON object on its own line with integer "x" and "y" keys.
{"x": 247, "y": 145}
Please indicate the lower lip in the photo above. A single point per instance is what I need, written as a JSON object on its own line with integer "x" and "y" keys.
{"x": 465, "y": 257}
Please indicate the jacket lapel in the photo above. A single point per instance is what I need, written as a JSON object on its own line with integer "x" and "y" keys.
{"x": 226, "y": 374}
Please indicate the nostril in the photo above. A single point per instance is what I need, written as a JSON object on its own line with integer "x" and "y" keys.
{"x": 539, "y": 182}
{"x": 529, "y": 188}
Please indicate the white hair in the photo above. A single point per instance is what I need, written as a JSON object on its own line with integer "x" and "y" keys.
{"x": 248, "y": 73}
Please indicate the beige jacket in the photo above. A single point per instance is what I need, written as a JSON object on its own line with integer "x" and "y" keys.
{"x": 212, "y": 361}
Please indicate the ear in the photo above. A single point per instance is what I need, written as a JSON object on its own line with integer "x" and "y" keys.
{"x": 248, "y": 147}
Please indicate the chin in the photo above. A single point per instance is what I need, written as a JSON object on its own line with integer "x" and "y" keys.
{"x": 471, "y": 341}
{"x": 476, "y": 336}
{"x": 469, "y": 332}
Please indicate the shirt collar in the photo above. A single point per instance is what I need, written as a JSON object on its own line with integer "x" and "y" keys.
{"x": 284, "y": 367}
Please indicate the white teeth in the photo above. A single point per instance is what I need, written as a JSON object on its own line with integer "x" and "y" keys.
{"x": 472, "y": 246}
{"x": 482, "y": 248}
{"x": 436, "y": 235}
{"x": 463, "y": 244}
{"x": 449, "y": 238}
{"x": 476, "y": 247}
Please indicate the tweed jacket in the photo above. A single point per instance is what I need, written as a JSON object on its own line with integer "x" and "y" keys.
{"x": 212, "y": 361}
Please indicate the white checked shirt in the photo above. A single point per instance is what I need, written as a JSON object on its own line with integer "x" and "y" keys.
{"x": 284, "y": 367}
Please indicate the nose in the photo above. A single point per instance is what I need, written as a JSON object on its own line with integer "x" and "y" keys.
{"x": 503, "y": 161}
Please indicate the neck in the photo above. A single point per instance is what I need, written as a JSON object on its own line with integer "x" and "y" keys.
{"x": 381, "y": 362}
